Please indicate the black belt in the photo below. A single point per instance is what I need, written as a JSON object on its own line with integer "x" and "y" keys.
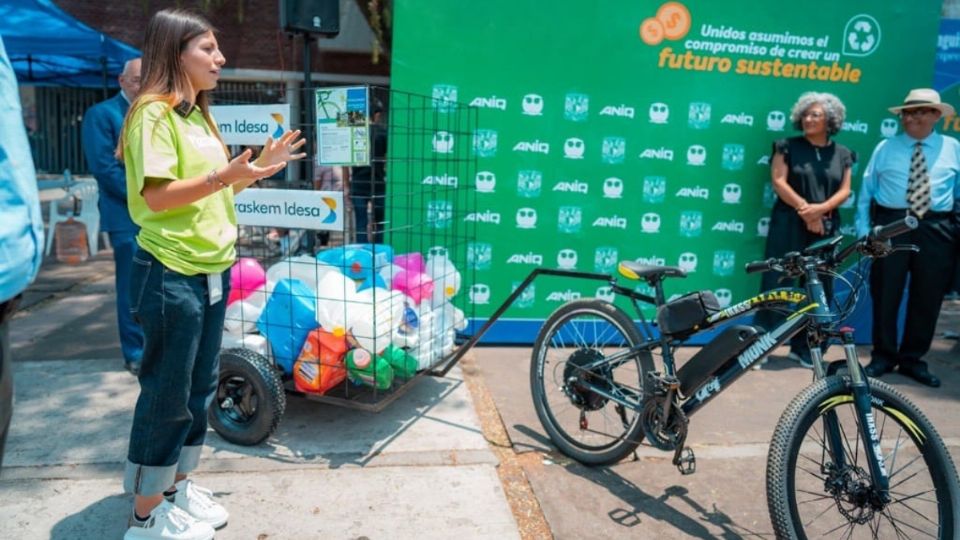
{"x": 8, "y": 308}
{"x": 907, "y": 212}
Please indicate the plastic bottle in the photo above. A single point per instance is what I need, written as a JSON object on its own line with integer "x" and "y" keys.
{"x": 287, "y": 319}
{"x": 404, "y": 365}
{"x": 416, "y": 285}
{"x": 372, "y": 315}
{"x": 320, "y": 365}
{"x": 302, "y": 267}
{"x": 368, "y": 370}
{"x": 333, "y": 293}
{"x": 446, "y": 279}
{"x": 251, "y": 342}
{"x": 246, "y": 276}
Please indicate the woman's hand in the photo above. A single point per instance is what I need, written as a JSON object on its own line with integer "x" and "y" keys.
{"x": 281, "y": 150}
{"x": 241, "y": 171}
{"x": 813, "y": 211}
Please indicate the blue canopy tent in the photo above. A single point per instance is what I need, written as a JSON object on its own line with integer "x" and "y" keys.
{"x": 49, "y": 47}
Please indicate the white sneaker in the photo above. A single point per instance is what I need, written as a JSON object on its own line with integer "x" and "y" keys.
{"x": 199, "y": 503}
{"x": 167, "y": 522}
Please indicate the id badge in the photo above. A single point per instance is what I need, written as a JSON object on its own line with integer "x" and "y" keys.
{"x": 215, "y": 287}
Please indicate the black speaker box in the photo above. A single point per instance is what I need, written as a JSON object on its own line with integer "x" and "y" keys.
{"x": 310, "y": 16}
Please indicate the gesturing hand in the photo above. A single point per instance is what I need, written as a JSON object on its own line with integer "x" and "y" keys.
{"x": 281, "y": 150}
{"x": 240, "y": 169}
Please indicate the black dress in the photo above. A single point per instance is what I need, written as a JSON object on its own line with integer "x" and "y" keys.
{"x": 814, "y": 173}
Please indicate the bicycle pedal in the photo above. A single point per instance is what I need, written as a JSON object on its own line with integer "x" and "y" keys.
{"x": 687, "y": 462}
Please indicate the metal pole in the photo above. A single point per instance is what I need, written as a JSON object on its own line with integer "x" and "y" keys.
{"x": 307, "y": 108}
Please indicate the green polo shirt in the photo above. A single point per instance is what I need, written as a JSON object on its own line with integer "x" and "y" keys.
{"x": 160, "y": 146}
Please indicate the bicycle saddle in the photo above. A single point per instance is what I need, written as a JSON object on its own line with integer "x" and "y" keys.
{"x": 633, "y": 270}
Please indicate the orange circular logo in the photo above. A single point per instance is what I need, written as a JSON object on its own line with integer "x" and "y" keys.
{"x": 675, "y": 18}
{"x": 651, "y": 31}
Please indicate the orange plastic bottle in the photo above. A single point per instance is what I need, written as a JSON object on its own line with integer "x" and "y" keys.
{"x": 320, "y": 364}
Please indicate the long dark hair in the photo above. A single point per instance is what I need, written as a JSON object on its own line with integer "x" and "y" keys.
{"x": 163, "y": 78}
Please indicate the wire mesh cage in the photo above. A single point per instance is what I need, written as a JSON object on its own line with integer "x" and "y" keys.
{"x": 351, "y": 277}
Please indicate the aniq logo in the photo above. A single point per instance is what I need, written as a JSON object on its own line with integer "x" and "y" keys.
{"x": 695, "y": 192}
{"x": 573, "y": 186}
{"x": 492, "y": 102}
{"x": 536, "y": 146}
{"x": 567, "y": 259}
{"x": 442, "y": 180}
{"x": 563, "y": 296}
{"x": 530, "y": 257}
{"x": 650, "y": 223}
{"x": 663, "y": 153}
{"x": 526, "y": 218}
{"x": 442, "y": 142}
{"x": 484, "y": 217}
{"x": 618, "y": 110}
{"x": 611, "y": 222}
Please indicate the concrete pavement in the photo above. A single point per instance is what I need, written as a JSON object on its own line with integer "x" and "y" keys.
{"x": 422, "y": 468}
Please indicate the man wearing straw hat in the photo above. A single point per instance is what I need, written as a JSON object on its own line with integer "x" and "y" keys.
{"x": 913, "y": 173}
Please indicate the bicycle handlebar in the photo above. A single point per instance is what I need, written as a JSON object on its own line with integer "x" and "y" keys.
{"x": 886, "y": 232}
{"x": 874, "y": 244}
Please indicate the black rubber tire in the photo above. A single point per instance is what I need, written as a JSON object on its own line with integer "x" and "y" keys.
{"x": 633, "y": 434}
{"x": 254, "y": 416}
{"x": 804, "y": 412}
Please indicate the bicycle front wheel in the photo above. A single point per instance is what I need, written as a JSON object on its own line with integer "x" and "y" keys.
{"x": 814, "y": 491}
{"x": 587, "y": 385}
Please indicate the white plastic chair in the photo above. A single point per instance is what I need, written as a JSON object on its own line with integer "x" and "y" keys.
{"x": 87, "y": 195}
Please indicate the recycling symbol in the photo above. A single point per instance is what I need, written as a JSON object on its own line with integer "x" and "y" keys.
{"x": 861, "y": 36}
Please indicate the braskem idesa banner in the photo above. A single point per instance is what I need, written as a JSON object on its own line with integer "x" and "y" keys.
{"x": 641, "y": 131}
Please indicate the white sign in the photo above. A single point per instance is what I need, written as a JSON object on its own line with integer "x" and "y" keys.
{"x": 251, "y": 124}
{"x": 290, "y": 208}
{"x": 343, "y": 126}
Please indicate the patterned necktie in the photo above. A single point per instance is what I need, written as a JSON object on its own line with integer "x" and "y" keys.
{"x": 918, "y": 188}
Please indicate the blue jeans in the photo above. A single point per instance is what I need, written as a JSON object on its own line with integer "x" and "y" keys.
{"x": 178, "y": 377}
{"x": 131, "y": 335}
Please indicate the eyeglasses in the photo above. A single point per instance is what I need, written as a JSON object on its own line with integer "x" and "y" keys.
{"x": 816, "y": 115}
{"x": 918, "y": 111}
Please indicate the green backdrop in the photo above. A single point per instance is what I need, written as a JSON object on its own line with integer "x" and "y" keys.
{"x": 615, "y": 130}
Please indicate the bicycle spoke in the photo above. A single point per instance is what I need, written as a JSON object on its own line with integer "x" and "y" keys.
{"x": 894, "y": 521}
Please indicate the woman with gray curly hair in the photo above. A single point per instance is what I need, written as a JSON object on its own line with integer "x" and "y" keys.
{"x": 811, "y": 176}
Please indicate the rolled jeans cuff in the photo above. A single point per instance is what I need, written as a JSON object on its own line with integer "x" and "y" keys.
{"x": 189, "y": 459}
{"x": 148, "y": 479}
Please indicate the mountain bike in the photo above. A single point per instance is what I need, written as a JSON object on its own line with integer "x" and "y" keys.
{"x": 850, "y": 457}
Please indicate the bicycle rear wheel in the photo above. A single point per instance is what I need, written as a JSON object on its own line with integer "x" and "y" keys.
{"x": 810, "y": 495}
{"x": 582, "y": 422}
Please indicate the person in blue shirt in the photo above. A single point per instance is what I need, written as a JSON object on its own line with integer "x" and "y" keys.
{"x": 21, "y": 229}
{"x": 913, "y": 173}
{"x": 100, "y": 132}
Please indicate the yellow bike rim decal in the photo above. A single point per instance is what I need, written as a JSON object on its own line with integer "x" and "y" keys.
{"x": 835, "y": 401}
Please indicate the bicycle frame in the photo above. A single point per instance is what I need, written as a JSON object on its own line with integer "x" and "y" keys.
{"x": 813, "y": 314}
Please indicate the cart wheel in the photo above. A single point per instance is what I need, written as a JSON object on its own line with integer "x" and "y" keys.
{"x": 249, "y": 400}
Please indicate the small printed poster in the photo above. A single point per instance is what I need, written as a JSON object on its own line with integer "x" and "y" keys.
{"x": 343, "y": 122}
